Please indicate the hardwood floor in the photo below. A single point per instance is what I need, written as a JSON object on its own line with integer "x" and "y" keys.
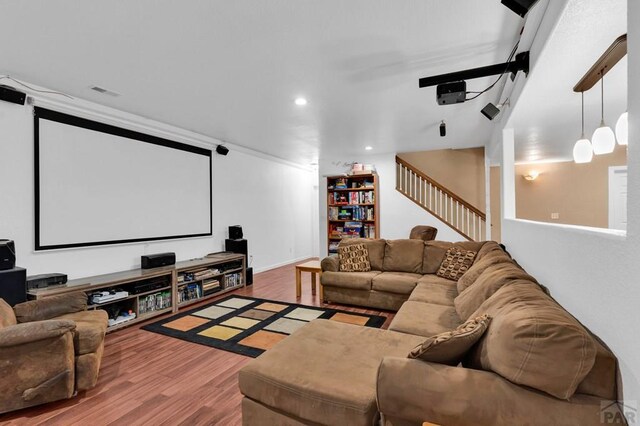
{"x": 151, "y": 379}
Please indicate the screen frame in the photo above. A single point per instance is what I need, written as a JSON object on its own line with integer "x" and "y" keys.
{"x": 40, "y": 113}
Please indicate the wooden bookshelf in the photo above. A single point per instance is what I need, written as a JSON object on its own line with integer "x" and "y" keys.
{"x": 353, "y": 208}
{"x": 163, "y": 295}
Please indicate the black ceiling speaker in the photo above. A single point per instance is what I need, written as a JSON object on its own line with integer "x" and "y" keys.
{"x": 222, "y": 150}
{"x": 9, "y": 94}
{"x": 490, "y": 111}
{"x": 521, "y": 7}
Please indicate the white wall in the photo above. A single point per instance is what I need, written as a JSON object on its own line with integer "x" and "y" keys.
{"x": 398, "y": 214}
{"x": 594, "y": 273}
{"x": 275, "y": 202}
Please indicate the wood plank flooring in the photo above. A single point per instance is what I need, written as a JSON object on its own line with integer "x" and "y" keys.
{"x": 151, "y": 379}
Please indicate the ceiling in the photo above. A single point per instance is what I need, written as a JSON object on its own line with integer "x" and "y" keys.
{"x": 546, "y": 118}
{"x": 232, "y": 69}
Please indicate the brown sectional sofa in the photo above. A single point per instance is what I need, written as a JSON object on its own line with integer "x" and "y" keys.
{"x": 534, "y": 365}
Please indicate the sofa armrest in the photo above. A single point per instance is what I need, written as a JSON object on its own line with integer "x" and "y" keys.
{"x": 417, "y": 391}
{"x": 330, "y": 263}
{"x": 29, "y": 332}
{"x": 50, "y": 307}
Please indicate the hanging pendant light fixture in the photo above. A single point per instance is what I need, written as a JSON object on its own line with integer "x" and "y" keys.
{"x": 603, "y": 139}
{"x": 582, "y": 150}
{"x": 622, "y": 129}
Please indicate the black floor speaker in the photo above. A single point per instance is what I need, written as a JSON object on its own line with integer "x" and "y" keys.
{"x": 249, "y": 279}
{"x": 13, "y": 285}
{"x": 236, "y": 246}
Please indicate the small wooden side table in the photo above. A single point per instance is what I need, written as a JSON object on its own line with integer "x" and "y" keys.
{"x": 313, "y": 267}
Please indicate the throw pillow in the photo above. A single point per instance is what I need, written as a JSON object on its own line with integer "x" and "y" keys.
{"x": 455, "y": 263}
{"x": 450, "y": 347}
{"x": 354, "y": 258}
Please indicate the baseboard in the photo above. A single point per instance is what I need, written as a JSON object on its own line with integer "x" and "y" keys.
{"x": 277, "y": 265}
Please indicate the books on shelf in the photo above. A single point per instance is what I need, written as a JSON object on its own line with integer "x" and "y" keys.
{"x": 351, "y": 213}
{"x": 233, "y": 280}
{"x": 154, "y": 302}
{"x": 351, "y": 197}
{"x": 189, "y": 292}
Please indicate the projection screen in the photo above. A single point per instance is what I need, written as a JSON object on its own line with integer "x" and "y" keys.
{"x": 98, "y": 184}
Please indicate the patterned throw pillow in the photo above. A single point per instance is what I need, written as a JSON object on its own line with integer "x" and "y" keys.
{"x": 450, "y": 347}
{"x": 455, "y": 263}
{"x": 354, "y": 258}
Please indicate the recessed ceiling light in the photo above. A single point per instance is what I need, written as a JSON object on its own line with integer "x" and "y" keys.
{"x": 301, "y": 101}
{"x": 368, "y": 148}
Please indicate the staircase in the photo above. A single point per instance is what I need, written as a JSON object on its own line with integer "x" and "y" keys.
{"x": 440, "y": 202}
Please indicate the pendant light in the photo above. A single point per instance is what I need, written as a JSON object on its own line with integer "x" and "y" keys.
{"x": 582, "y": 150}
{"x": 603, "y": 139}
{"x": 622, "y": 129}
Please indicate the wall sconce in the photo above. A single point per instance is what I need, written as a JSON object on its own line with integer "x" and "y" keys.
{"x": 533, "y": 175}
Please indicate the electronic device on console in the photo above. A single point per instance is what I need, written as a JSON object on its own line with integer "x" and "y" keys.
{"x": 46, "y": 280}
{"x": 156, "y": 260}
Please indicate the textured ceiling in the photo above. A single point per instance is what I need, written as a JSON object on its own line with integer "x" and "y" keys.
{"x": 231, "y": 69}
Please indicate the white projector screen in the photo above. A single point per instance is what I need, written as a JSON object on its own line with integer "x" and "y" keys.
{"x": 99, "y": 184}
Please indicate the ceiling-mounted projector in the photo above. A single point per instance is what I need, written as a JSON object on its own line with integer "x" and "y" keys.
{"x": 452, "y": 87}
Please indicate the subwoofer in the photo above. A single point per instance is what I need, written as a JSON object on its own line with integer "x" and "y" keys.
{"x": 13, "y": 286}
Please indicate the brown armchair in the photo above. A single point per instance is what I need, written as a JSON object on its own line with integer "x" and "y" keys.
{"x": 423, "y": 232}
{"x": 49, "y": 349}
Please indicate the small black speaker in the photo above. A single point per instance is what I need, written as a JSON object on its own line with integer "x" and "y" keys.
{"x": 7, "y": 255}
{"x": 9, "y": 94}
{"x": 222, "y": 150}
{"x": 157, "y": 260}
{"x": 236, "y": 246}
{"x": 235, "y": 232}
{"x": 249, "y": 277}
{"x": 13, "y": 286}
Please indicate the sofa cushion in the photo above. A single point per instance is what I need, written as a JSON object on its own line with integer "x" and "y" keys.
{"x": 337, "y": 382}
{"x": 490, "y": 281}
{"x": 7, "y": 317}
{"x": 533, "y": 341}
{"x": 434, "y": 252}
{"x": 395, "y": 282}
{"x": 50, "y": 307}
{"x": 451, "y": 346}
{"x": 374, "y": 247}
{"x": 455, "y": 263}
{"x": 354, "y": 280}
{"x": 492, "y": 258}
{"x": 403, "y": 256}
{"x": 424, "y": 319}
{"x": 91, "y": 327}
{"x": 434, "y": 279}
{"x": 488, "y": 247}
{"x": 435, "y": 293}
{"x": 354, "y": 258}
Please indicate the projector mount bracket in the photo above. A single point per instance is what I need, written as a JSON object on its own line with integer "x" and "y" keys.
{"x": 520, "y": 63}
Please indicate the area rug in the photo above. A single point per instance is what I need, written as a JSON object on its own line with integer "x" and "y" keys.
{"x": 250, "y": 326}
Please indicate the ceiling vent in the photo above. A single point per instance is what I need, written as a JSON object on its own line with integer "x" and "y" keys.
{"x": 104, "y": 91}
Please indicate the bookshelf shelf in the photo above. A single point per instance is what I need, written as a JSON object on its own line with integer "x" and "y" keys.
{"x": 353, "y": 207}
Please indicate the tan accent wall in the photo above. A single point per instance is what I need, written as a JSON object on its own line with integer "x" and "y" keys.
{"x": 459, "y": 170}
{"x": 579, "y": 193}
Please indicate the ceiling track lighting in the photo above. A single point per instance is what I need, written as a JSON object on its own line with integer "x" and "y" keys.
{"x": 603, "y": 139}
{"x": 582, "y": 150}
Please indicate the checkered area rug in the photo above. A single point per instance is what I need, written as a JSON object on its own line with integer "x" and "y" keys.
{"x": 250, "y": 326}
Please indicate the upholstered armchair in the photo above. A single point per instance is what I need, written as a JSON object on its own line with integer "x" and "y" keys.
{"x": 49, "y": 349}
{"x": 423, "y": 232}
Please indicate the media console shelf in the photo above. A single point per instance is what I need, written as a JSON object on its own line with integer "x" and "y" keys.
{"x": 141, "y": 294}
